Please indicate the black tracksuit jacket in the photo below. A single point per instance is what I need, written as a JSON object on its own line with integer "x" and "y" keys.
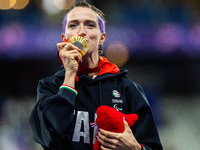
{"x": 61, "y": 119}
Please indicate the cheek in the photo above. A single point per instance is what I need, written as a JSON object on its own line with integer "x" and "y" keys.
{"x": 94, "y": 40}
{"x": 70, "y": 34}
{"x": 95, "y": 37}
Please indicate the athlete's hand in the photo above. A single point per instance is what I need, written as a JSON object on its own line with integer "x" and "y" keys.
{"x": 70, "y": 56}
{"x": 118, "y": 141}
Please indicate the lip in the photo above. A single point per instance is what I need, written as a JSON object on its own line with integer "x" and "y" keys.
{"x": 87, "y": 40}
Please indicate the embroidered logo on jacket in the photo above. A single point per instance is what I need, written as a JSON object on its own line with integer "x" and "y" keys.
{"x": 116, "y": 93}
{"x": 117, "y": 108}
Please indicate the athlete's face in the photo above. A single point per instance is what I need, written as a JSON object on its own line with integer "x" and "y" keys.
{"x": 84, "y": 22}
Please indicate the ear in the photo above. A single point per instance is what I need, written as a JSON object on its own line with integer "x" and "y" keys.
{"x": 63, "y": 36}
{"x": 102, "y": 39}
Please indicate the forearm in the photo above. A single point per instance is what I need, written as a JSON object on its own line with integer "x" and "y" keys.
{"x": 69, "y": 78}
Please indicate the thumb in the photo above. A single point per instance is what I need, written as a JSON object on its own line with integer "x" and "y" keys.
{"x": 126, "y": 126}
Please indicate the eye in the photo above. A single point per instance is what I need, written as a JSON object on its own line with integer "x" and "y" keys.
{"x": 91, "y": 25}
{"x": 72, "y": 25}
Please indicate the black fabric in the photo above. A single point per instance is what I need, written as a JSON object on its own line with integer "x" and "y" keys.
{"x": 54, "y": 117}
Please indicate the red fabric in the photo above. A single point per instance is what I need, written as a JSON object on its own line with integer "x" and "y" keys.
{"x": 65, "y": 40}
{"x": 110, "y": 119}
{"x": 104, "y": 65}
{"x": 142, "y": 146}
{"x": 108, "y": 67}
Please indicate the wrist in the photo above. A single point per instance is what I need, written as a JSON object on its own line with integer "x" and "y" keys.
{"x": 138, "y": 146}
{"x": 70, "y": 73}
{"x": 70, "y": 78}
{"x": 142, "y": 147}
{"x": 69, "y": 88}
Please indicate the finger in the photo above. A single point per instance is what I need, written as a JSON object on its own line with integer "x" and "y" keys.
{"x": 104, "y": 144}
{"x": 72, "y": 47}
{"x": 69, "y": 53}
{"x": 67, "y": 46}
{"x": 107, "y": 141}
{"x": 75, "y": 55}
{"x": 78, "y": 57}
{"x": 108, "y": 133}
{"x": 106, "y": 147}
{"x": 60, "y": 46}
{"x": 126, "y": 126}
{"x": 103, "y": 138}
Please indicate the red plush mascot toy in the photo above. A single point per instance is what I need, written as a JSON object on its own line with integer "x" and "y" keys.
{"x": 111, "y": 120}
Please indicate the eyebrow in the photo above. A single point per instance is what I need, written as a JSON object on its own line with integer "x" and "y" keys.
{"x": 87, "y": 21}
{"x": 91, "y": 21}
{"x": 72, "y": 21}
{"x": 101, "y": 24}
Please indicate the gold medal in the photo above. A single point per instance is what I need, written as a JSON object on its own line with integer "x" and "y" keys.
{"x": 81, "y": 43}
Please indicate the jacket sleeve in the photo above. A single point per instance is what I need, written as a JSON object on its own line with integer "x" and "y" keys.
{"x": 145, "y": 129}
{"x": 52, "y": 115}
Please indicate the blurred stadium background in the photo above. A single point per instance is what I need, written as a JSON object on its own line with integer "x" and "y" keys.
{"x": 158, "y": 41}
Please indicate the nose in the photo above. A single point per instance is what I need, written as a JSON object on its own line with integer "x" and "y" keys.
{"x": 82, "y": 32}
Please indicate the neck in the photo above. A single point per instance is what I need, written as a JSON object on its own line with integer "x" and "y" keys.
{"x": 90, "y": 62}
{"x": 93, "y": 69}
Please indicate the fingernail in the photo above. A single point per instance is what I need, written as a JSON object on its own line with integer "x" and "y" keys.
{"x": 96, "y": 137}
{"x": 124, "y": 118}
{"x": 79, "y": 49}
{"x": 99, "y": 130}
